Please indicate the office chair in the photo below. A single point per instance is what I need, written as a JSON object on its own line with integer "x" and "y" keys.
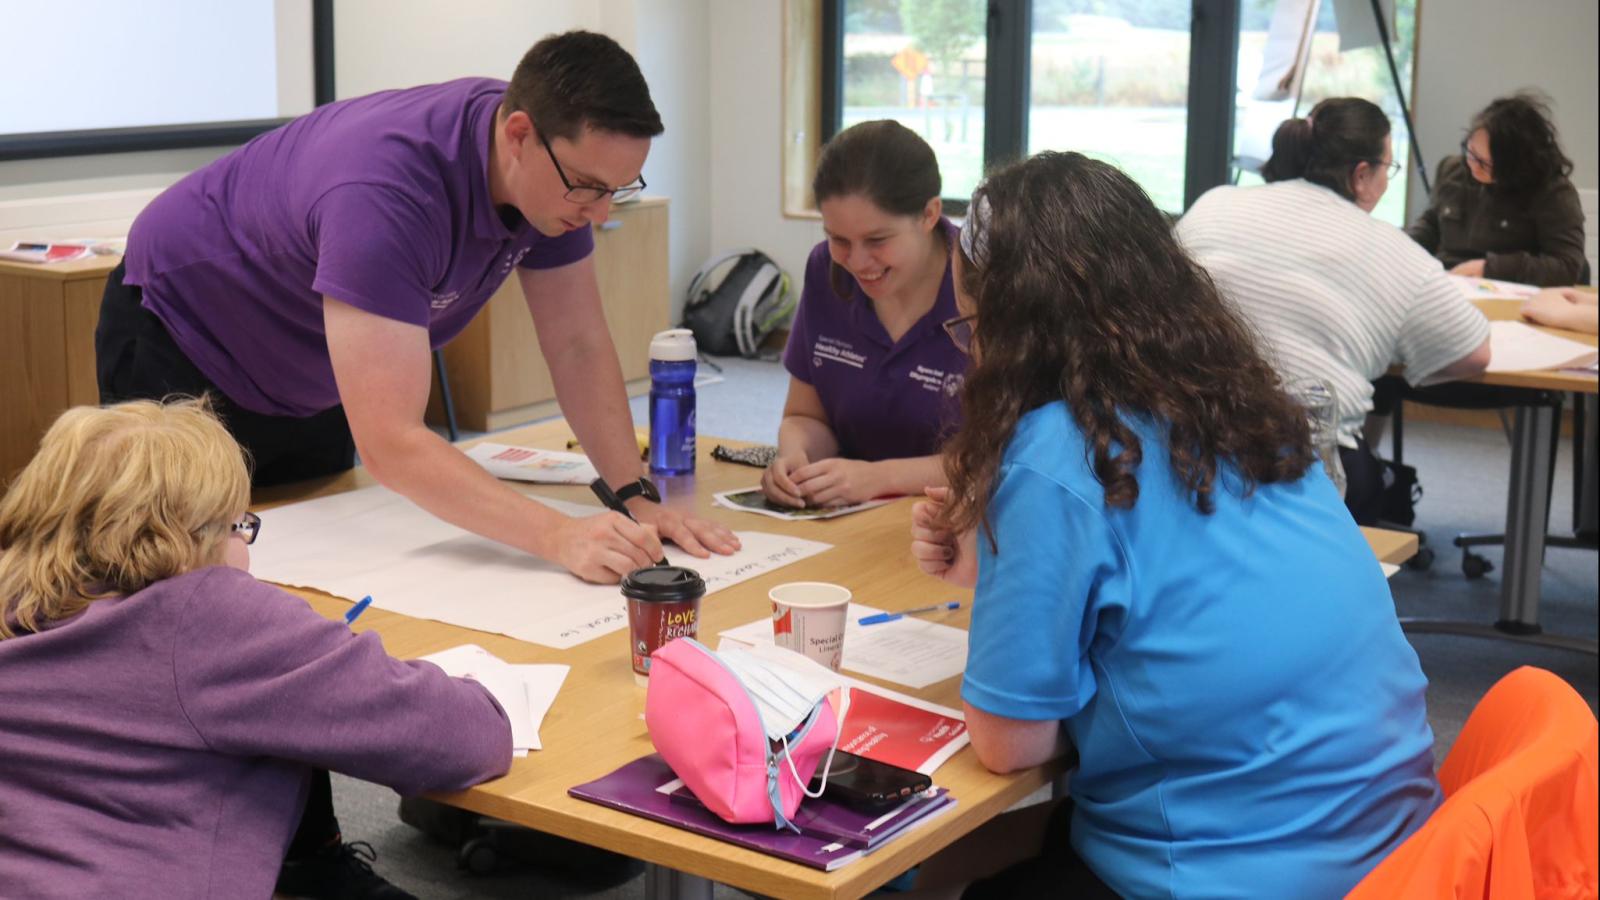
{"x": 1518, "y": 820}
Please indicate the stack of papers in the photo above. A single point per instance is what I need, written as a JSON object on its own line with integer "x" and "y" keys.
{"x": 537, "y": 466}
{"x": 1515, "y": 347}
{"x": 1491, "y": 289}
{"x": 525, "y": 692}
{"x": 910, "y": 651}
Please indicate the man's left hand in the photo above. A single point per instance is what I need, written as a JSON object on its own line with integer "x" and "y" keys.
{"x": 698, "y": 537}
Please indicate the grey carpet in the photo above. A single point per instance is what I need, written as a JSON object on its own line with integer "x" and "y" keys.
{"x": 1463, "y": 470}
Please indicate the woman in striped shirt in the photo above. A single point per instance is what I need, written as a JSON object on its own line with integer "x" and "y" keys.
{"x": 1335, "y": 295}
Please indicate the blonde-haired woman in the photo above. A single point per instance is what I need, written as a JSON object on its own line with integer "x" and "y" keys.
{"x": 161, "y": 712}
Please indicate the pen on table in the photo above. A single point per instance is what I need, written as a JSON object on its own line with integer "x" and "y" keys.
{"x": 880, "y": 618}
{"x": 611, "y": 501}
{"x": 358, "y": 609}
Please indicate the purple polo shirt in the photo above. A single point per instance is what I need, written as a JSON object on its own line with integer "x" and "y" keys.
{"x": 884, "y": 399}
{"x": 380, "y": 201}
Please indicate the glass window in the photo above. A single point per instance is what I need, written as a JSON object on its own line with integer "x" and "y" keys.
{"x": 1362, "y": 72}
{"x": 921, "y": 63}
{"x": 1110, "y": 79}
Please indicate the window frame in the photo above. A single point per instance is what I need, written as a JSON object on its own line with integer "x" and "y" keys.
{"x": 1208, "y": 149}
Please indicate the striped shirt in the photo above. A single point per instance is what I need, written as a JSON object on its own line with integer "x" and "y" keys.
{"x": 1332, "y": 292}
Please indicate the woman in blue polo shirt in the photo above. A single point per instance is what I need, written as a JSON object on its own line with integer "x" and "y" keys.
{"x": 1165, "y": 578}
{"x": 874, "y": 379}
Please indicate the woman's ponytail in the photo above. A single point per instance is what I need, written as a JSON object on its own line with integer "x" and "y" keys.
{"x": 1291, "y": 151}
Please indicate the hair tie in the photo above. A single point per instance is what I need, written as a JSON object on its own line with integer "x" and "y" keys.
{"x": 975, "y": 231}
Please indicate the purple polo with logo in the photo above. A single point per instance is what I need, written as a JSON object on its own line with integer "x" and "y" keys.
{"x": 381, "y": 202}
{"x": 884, "y": 399}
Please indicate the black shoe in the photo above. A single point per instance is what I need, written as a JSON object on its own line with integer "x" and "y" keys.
{"x": 341, "y": 872}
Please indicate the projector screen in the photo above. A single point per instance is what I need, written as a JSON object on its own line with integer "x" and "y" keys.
{"x": 98, "y": 76}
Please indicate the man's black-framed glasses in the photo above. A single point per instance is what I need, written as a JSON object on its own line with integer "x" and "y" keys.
{"x": 586, "y": 193}
{"x": 248, "y": 526}
{"x": 960, "y": 331}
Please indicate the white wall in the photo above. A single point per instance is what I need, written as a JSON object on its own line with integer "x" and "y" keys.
{"x": 747, "y": 136}
{"x": 1471, "y": 51}
{"x": 381, "y": 44}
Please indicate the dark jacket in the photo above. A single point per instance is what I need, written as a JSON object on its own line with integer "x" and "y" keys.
{"x": 1533, "y": 238}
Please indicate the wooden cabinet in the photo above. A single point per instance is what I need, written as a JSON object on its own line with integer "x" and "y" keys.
{"x": 47, "y": 319}
{"x": 497, "y": 375}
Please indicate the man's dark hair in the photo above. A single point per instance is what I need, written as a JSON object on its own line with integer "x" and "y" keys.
{"x": 1326, "y": 146}
{"x": 1523, "y": 147}
{"x": 568, "y": 82}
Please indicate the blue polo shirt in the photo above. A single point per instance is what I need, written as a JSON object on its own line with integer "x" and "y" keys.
{"x": 884, "y": 399}
{"x": 1249, "y": 718}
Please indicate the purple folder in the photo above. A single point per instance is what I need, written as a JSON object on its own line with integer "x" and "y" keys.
{"x": 833, "y": 835}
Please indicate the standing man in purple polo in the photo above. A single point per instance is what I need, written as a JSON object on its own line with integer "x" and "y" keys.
{"x": 304, "y": 279}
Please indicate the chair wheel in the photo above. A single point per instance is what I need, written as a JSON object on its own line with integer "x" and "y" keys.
{"x": 1421, "y": 561}
{"x": 1475, "y": 566}
{"x": 478, "y": 856}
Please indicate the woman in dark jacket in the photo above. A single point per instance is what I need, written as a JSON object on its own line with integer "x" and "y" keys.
{"x": 1506, "y": 208}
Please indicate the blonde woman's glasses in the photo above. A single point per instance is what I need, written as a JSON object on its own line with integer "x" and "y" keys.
{"x": 248, "y": 526}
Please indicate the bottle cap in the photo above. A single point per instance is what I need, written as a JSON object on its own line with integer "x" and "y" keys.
{"x": 673, "y": 345}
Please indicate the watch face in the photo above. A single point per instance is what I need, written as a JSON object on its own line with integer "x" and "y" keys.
{"x": 647, "y": 490}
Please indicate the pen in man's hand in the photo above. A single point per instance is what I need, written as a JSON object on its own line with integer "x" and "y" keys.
{"x": 358, "y": 609}
{"x": 611, "y": 501}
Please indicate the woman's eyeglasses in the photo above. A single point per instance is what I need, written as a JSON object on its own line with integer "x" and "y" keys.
{"x": 248, "y": 526}
{"x": 960, "y": 331}
{"x": 1484, "y": 164}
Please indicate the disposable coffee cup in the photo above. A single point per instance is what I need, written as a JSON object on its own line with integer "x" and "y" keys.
{"x": 663, "y": 604}
{"x": 808, "y": 617}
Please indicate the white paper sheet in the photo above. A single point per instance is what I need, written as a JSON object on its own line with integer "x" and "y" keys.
{"x": 909, "y": 651}
{"x": 1515, "y": 347}
{"x": 1388, "y": 569}
{"x": 536, "y": 466}
{"x": 1491, "y": 289}
{"x": 525, "y": 692}
{"x": 374, "y": 541}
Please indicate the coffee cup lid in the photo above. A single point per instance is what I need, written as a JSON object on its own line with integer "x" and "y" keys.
{"x": 664, "y": 583}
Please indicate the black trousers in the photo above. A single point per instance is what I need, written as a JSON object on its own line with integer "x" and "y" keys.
{"x": 1056, "y": 872}
{"x": 135, "y": 358}
{"x": 1363, "y": 483}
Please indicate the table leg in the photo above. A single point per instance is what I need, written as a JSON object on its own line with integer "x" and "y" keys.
{"x": 1526, "y": 512}
{"x": 1585, "y": 517}
{"x": 662, "y": 883}
{"x": 1526, "y": 504}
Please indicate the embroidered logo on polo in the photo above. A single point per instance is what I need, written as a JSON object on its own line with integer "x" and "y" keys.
{"x": 512, "y": 260}
{"x": 936, "y": 380}
{"x": 443, "y": 301}
{"x": 828, "y": 349}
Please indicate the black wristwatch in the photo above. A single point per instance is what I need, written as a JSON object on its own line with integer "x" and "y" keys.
{"x": 644, "y": 487}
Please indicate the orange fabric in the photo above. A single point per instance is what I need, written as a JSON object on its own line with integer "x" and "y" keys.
{"x": 1519, "y": 818}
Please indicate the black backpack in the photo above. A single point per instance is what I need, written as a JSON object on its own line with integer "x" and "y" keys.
{"x": 750, "y": 302}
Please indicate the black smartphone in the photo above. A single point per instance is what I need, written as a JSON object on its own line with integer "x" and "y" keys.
{"x": 861, "y": 782}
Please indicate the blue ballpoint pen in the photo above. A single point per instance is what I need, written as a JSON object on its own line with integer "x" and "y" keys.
{"x": 880, "y": 618}
{"x": 358, "y": 609}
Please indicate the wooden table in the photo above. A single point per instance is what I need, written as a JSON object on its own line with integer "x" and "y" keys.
{"x": 1527, "y": 499}
{"x": 596, "y": 725}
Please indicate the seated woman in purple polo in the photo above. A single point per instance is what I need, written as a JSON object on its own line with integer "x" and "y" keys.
{"x": 874, "y": 378}
{"x": 162, "y": 711}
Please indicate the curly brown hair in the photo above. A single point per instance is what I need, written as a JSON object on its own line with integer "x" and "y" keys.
{"x": 1522, "y": 142}
{"x": 1084, "y": 295}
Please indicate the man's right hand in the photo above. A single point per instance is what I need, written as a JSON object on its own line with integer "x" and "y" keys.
{"x": 605, "y": 547}
{"x": 777, "y": 481}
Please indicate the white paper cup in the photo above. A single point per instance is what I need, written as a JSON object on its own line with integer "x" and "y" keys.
{"x": 808, "y": 617}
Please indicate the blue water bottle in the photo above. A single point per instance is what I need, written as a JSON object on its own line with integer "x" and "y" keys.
{"x": 672, "y": 364}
